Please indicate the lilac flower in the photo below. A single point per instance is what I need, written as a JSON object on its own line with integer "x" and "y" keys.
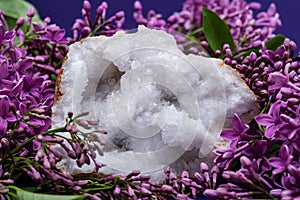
{"x": 225, "y": 157}
{"x": 290, "y": 131}
{"x": 282, "y": 162}
{"x": 234, "y": 135}
{"x": 247, "y": 31}
{"x": 5, "y": 115}
{"x": 278, "y": 80}
{"x": 272, "y": 120}
{"x": 258, "y": 151}
{"x": 55, "y": 35}
{"x": 101, "y": 25}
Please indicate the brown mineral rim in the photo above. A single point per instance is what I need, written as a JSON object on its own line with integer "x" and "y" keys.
{"x": 58, "y": 93}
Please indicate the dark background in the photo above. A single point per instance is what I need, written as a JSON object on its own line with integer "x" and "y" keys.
{"x": 64, "y": 12}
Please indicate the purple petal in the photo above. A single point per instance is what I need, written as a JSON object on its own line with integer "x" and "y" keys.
{"x": 36, "y": 82}
{"x": 278, "y": 79}
{"x": 284, "y": 152}
{"x": 275, "y": 109}
{"x": 258, "y": 149}
{"x": 18, "y": 87}
{"x": 3, "y": 69}
{"x": 264, "y": 119}
{"x": 270, "y": 130}
{"x": 276, "y": 162}
{"x": 278, "y": 170}
{"x": 262, "y": 145}
{"x": 11, "y": 118}
{"x": 36, "y": 144}
{"x": 59, "y": 34}
{"x": 7, "y": 84}
{"x": 229, "y": 134}
{"x": 1, "y": 31}
{"x": 238, "y": 125}
{"x": 4, "y": 105}
{"x": 296, "y": 144}
{"x": 3, "y": 127}
{"x": 265, "y": 165}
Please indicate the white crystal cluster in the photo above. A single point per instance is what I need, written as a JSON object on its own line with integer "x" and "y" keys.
{"x": 159, "y": 106}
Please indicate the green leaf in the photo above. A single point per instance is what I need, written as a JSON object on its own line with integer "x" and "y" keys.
{"x": 216, "y": 31}
{"x": 14, "y": 9}
{"x": 26, "y": 195}
{"x": 275, "y": 42}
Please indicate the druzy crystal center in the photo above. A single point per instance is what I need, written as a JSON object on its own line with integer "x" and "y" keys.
{"x": 159, "y": 106}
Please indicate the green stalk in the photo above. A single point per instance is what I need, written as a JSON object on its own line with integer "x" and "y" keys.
{"x": 195, "y": 32}
{"x": 60, "y": 129}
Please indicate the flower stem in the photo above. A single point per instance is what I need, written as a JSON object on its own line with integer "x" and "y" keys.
{"x": 60, "y": 129}
{"x": 195, "y": 32}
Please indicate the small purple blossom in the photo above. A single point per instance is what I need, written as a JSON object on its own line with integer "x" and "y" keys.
{"x": 283, "y": 160}
{"x": 272, "y": 120}
{"x": 234, "y": 135}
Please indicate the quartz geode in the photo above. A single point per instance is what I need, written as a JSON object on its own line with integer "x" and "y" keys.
{"x": 159, "y": 106}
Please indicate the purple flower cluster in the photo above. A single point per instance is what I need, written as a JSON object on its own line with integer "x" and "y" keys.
{"x": 26, "y": 96}
{"x": 247, "y": 31}
{"x": 139, "y": 186}
{"x": 270, "y": 144}
{"x": 53, "y": 147}
{"x": 45, "y": 44}
{"x": 99, "y": 25}
{"x": 29, "y": 63}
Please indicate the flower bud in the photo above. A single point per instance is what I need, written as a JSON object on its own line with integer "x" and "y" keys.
{"x": 218, "y": 53}
{"x": 4, "y": 142}
{"x": 182, "y": 197}
{"x": 227, "y": 61}
{"x": 256, "y": 44}
{"x": 70, "y": 114}
{"x": 4, "y": 191}
{"x": 20, "y": 22}
{"x": 211, "y": 194}
{"x": 133, "y": 173}
{"x": 87, "y": 6}
{"x": 167, "y": 170}
{"x": 204, "y": 167}
{"x": 228, "y": 53}
{"x": 142, "y": 178}
{"x": 47, "y": 20}
{"x": 145, "y": 191}
{"x": 185, "y": 174}
{"x": 137, "y": 5}
{"x": 130, "y": 191}
{"x": 46, "y": 162}
{"x": 77, "y": 188}
{"x": 119, "y": 15}
{"x": 199, "y": 178}
{"x": 276, "y": 192}
{"x": 30, "y": 12}
{"x": 204, "y": 44}
{"x": 246, "y": 163}
{"x": 34, "y": 173}
{"x": 117, "y": 190}
{"x": 147, "y": 185}
{"x": 225, "y": 46}
{"x": 186, "y": 181}
{"x": 254, "y": 5}
{"x": 7, "y": 181}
